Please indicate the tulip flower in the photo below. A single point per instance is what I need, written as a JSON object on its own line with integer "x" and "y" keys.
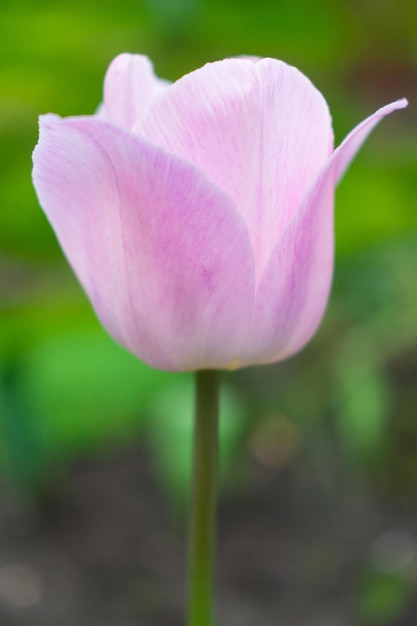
{"x": 198, "y": 215}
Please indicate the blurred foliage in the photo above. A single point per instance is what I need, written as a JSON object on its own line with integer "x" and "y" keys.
{"x": 381, "y": 598}
{"x": 350, "y": 398}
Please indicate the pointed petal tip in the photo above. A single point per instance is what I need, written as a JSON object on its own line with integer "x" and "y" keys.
{"x": 402, "y": 103}
{"x": 344, "y": 154}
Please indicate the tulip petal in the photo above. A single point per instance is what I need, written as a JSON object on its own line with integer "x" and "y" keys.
{"x": 293, "y": 293}
{"x": 162, "y": 252}
{"x": 261, "y": 131}
{"x": 129, "y": 87}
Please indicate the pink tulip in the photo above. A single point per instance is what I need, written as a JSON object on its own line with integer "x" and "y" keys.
{"x": 198, "y": 215}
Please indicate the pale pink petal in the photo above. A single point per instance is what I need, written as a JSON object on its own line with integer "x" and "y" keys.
{"x": 129, "y": 87}
{"x": 261, "y": 131}
{"x": 293, "y": 293}
{"x": 162, "y": 252}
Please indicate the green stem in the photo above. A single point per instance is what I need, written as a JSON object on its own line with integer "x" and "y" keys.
{"x": 203, "y": 501}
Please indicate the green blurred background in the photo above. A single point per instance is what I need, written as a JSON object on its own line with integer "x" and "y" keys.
{"x": 346, "y": 407}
